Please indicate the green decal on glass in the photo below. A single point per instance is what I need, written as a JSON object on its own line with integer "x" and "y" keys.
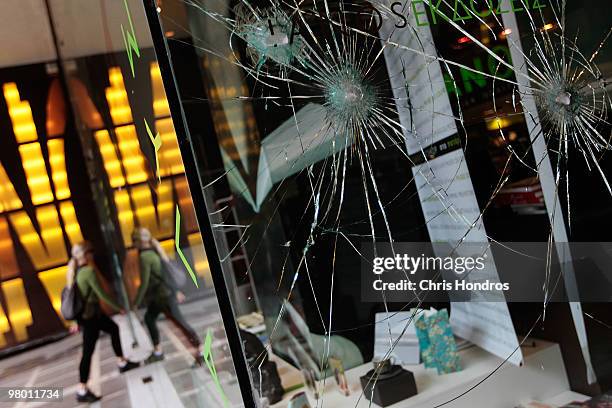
{"x": 157, "y": 143}
{"x": 208, "y": 359}
{"x": 178, "y": 249}
{"x": 129, "y": 39}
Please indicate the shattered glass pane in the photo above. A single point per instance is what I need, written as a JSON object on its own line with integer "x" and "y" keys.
{"x": 337, "y": 127}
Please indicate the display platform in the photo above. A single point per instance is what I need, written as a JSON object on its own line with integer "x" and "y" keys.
{"x": 485, "y": 381}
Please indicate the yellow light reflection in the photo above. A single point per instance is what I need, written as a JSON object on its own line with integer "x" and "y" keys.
{"x": 126, "y": 218}
{"x": 165, "y": 208}
{"x": 71, "y": 224}
{"x": 548, "y": 26}
{"x": 160, "y": 103}
{"x": 145, "y": 210}
{"x": 498, "y": 123}
{"x": 170, "y": 162}
{"x": 8, "y": 263}
{"x": 117, "y": 98}
{"x": 133, "y": 159}
{"x": 9, "y": 200}
{"x": 58, "y": 168}
{"x": 20, "y": 113}
{"x": 18, "y": 309}
{"x": 109, "y": 156}
{"x": 49, "y": 251}
{"x": 54, "y": 281}
{"x": 36, "y": 173}
{"x": 168, "y": 246}
{"x": 4, "y": 327}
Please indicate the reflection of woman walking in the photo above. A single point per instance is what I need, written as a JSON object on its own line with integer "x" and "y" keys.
{"x": 82, "y": 268}
{"x": 159, "y": 293}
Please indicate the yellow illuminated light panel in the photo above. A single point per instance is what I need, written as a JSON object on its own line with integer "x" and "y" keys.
{"x": 20, "y": 113}
{"x": 109, "y": 156}
{"x": 170, "y": 162}
{"x": 53, "y": 252}
{"x": 145, "y": 210}
{"x": 168, "y": 246}
{"x": 160, "y": 103}
{"x": 51, "y": 232}
{"x": 71, "y": 224}
{"x": 117, "y": 98}
{"x": 8, "y": 263}
{"x": 36, "y": 173}
{"x": 54, "y": 281}
{"x": 4, "y": 327}
{"x": 126, "y": 218}
{"x": 165, "y": 209}
{"x": 58, "y": 168}
{"x": 132, "y": 157}
{"x": 9, "y": 200}
{"x": 19, "y": 312}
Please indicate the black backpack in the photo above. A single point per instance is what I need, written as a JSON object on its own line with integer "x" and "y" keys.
{"x": 72, "y": 302}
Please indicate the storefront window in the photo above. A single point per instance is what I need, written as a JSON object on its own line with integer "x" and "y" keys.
{"x": 372, "y": 203}
{"x": 336, "y": 127}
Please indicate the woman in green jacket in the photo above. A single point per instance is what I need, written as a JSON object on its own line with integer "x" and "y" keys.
{"x": 158, "y": 292}
{"x": 92, "y": 319}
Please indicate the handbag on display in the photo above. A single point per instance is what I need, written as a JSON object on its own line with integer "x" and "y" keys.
{"x": 436, "y": 341}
